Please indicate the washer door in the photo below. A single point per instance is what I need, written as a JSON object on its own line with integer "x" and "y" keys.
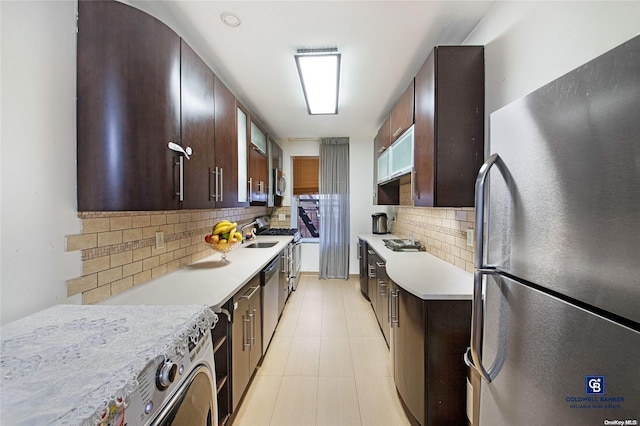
{"x": 194, "y": 404}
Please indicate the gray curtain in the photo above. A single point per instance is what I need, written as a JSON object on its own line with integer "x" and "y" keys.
{"x": 334, "y": 208}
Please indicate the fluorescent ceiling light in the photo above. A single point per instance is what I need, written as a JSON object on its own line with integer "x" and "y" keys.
{"x": 320, "y": 77}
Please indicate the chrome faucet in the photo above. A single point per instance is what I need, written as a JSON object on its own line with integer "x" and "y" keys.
{"x": 253, "y": 231}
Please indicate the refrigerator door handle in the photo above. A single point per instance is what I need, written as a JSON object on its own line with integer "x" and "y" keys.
{"x": 477, "y": 325}
{"x": 477, "y": 306}
{"x": 494, "y": 159}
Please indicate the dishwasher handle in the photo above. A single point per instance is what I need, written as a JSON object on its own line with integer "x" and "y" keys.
{"x": 272, "y": 266}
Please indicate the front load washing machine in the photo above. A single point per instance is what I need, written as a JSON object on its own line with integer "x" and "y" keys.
{"x": 177, "y": 392}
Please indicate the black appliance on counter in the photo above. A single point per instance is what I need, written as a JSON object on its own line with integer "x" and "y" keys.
{"x": 293, "y": 251}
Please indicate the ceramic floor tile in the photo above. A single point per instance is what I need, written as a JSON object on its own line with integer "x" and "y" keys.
{"x": 259, "y": 402}
{"x": 312, "y": 300}
{"x": 296, "y": 402}
{"x": 295, "y": 300}
{"x": 367, "y": 357}
{"x": 360, "y": 324}
{"x": 379, "y": 402}
{"x": 339, "y": 376}
{"x": 335, "y": 357}
{"x": 288, "y": 321}
{"x": 337, "y": 402}
{"x": 276, "y": 357}
{"x": 332, "y": 299}
{"x": 334, "y": 323}
{"x": 309, "y": 323}
{"x": 304, "y": 357}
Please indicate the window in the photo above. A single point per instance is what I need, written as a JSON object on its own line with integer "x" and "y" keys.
{"x": 305, "y": 175}
{"x": 305, "y": 200}
{"x": 308, "y": 216}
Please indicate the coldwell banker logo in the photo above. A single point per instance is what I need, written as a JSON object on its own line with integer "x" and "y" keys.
{"x": 594, "y": 385}
{"x": 594, "y": 397}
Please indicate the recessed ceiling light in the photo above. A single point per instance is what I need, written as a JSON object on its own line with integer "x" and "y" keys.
{"x": 230, "y": 19}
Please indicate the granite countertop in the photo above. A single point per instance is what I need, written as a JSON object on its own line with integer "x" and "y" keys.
{"x": 207, "y": 281}
{"x": 422, "y": 274}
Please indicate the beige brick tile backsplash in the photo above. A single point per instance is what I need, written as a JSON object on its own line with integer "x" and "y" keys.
{"x": 118, "y": 248}
{"x": 443, "y": 231}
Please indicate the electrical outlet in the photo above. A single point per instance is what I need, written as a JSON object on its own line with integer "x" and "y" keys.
{"x": 470, "y": 237}
{"x": 282, "y": 216}
{"x": 159, "y": 239}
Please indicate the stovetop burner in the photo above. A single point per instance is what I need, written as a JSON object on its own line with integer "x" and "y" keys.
{"x": 263, "y": 228}
{"x": 278, "y": 231}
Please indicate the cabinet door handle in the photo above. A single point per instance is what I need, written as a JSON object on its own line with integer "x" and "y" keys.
{"x": 249, "y": 294}
{"x": 221, "y": 191}
{"x": 371, "y": 273}
{"x": 213, "y": 196}
{"x": 389, "y": 316}
{"x": 246, "y": 339}
{"x": 380, "y": 264}
{"x": 253, "y": 328}
{"x": 394, "y": 314}
{"x": 397, "y": 132}
{"x": 414, "y": 196}
{"x": 180, "y": 192}
{"x": 250, "y": 189}
{"x": 382, "y": 285}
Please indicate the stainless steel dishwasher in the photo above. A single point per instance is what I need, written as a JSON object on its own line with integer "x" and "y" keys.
{"x": 270, "y": 280}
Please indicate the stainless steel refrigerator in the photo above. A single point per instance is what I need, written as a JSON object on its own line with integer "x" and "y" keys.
{"x": 556, "y": 309}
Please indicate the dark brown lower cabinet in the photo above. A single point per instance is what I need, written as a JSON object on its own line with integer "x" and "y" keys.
{"x": 429, "y": 338}
{"x": 372, "y": 277}
{"x": 246, "y": 338}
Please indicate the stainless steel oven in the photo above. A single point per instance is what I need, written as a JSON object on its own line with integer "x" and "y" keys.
{"x": 293, "y": 252}
{"x": 295, "y": 255}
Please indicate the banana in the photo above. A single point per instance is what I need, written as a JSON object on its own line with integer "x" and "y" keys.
{"x": 232, "y": 233}
{"x": 220, "y": 224}
{"x": 222, "y": 228}
{"x": 238, "y": 236}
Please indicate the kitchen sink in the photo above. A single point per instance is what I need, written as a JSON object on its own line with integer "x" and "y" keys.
{"x": 265, "y": 244}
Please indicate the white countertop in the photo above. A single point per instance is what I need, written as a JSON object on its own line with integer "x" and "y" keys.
{"x": 207, "y": 281}
{"x": 421, "y": 273}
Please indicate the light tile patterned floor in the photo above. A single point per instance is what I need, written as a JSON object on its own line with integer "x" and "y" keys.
{"x": 327, "y": 364}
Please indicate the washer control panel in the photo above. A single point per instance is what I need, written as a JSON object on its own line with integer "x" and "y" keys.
{"x": 161, "y": 379}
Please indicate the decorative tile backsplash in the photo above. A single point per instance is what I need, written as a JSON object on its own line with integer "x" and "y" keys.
{"x": 443, "y": 231}
{"x": 119, "y": 248}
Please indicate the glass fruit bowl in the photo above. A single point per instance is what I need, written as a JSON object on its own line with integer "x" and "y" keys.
{"x": 223, "y": 248}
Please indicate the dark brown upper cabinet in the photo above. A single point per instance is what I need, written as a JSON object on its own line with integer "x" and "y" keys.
{"x": 140, "y": 87}
{"x": 383, "y": 138}
{"x": 449, "y": 126}
{"x": 198, "y": 130}
{"x": 258, "y": 165}
{"x": 128, "y": 109}
{"x": 402, "y": 114}
{"x": 383, "y": 194}
{"x": 230, "y": 150}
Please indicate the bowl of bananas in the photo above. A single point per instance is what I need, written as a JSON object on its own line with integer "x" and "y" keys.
{"x": 223, "y": 238}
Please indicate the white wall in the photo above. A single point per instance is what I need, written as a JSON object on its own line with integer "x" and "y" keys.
{"x": 38, "y": 160}
{"x": 528, "y": 44}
